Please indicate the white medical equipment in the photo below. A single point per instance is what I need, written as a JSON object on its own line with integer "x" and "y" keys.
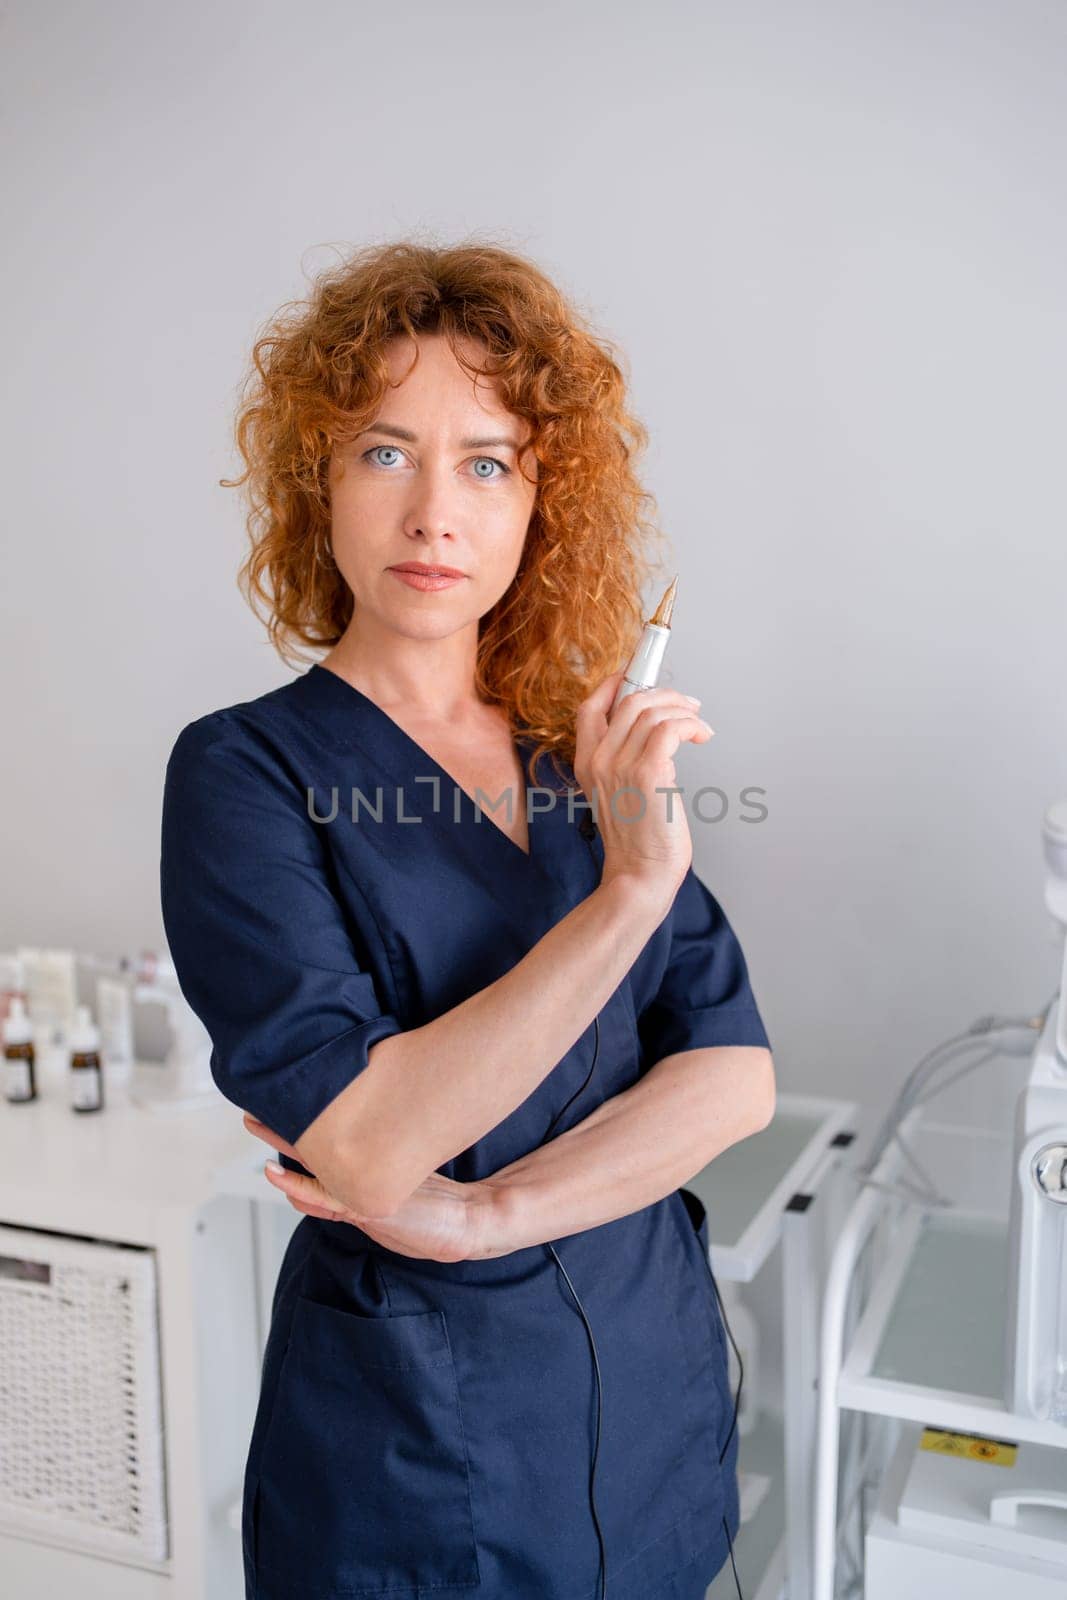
{"x": 960, "y": 1322}
{"x": 959, "y": 1524}
{"x": 82, "y": 1463}
{"x": 1036, "y": 1335}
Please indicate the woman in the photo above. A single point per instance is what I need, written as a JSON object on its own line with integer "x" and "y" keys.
{"x": 489, "y": 1047}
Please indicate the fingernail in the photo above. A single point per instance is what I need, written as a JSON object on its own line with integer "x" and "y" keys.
{"x": 273, "y": 1168}
{"x": 693, "y": 699}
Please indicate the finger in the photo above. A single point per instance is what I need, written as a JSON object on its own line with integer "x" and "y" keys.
{"x": 630, "y": 709}
{"x": 599, "y": 700}
{"x": 661, "y": 741}
{"x": 685, "y": 724}
{"x": 297, "y": 1186}
{"x": 591, "y": 718}
{"x": 268, "y": 1136}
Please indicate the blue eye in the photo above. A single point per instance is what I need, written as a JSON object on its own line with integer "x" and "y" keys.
{"x": 486, "y": 478}
{"x": 376, "y": 447}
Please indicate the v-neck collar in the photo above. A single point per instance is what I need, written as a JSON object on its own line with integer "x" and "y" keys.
{"x": 373, "y": 730}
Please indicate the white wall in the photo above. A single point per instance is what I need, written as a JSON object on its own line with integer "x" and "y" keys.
{"x": 830, "y": 241}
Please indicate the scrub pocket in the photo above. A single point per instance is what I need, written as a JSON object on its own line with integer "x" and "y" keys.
{"x": 698, "y": 1217}
{"x": 364, "y": 1481}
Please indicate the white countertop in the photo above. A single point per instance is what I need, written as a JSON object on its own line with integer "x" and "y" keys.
{"x": 113, "y": 1173}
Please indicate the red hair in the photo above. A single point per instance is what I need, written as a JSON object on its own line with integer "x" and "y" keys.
{"x": 318, "y": 375}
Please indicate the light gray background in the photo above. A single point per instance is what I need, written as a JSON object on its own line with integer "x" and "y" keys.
{"x": 829, "y": 243}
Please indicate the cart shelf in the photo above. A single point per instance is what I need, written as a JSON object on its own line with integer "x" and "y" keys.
{"x": 929, "y": 1347}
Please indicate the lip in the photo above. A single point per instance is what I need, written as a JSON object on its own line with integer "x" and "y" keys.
{"x": 426, "y": 568}
{"x": 421, "y": 575}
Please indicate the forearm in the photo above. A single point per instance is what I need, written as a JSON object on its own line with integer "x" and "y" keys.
{"x": 431, "y": 1092}
{"x": 634, "y": 1149}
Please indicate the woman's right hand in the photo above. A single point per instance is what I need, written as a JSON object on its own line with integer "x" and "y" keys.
{"x": 635, "y": 751}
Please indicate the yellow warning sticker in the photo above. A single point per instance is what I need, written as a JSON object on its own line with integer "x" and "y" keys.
{"x": 969, "y": 1446}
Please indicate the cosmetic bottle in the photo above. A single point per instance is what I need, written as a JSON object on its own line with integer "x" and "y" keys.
{"x": 20, "y": 1074}
{"x": 86, "y": 1077}
{"x": 114, "y": 1019}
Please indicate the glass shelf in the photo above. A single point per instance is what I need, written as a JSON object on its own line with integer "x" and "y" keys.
{"x": 945, "y": 1330}
{"x": 930, "y": 1345}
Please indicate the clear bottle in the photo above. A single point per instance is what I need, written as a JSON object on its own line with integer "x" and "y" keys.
{"x": 86, "y": 1076}
{"x": 20, "y": 1059}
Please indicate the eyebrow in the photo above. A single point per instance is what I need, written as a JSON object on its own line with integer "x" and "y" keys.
{"x": 394, "y": 432}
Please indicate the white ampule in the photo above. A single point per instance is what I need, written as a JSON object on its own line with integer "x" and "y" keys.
{"x": 643, "y": 669}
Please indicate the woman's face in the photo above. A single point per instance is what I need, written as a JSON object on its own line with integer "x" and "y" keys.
{"x": 433, "y": 479}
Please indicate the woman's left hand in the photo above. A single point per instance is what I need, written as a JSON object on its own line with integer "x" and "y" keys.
{"x": 442, "y": 1221}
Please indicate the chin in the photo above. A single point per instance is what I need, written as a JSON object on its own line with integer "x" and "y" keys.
{"x": 437, "y": 626}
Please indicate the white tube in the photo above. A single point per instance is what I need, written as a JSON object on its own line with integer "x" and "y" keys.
{"x": 644, "y": 666}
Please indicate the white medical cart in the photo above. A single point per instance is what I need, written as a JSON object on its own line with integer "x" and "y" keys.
{"x": 913, "y": 1339}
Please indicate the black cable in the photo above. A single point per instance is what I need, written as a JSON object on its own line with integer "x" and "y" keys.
{"x": 577, "y": 1092}
{"x": 599, "y": 1411}
{"x": 587, "y": 835}
{"x": 592, "y": 1342}
{"x": 588, "y": 829}
{"x": 740, "y": 1365}
{"x": 733, "y": 1563}
{"x": 733, "y": 1419}
{"x": 596, "y": 1363}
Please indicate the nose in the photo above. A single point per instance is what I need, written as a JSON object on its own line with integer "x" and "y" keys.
{"x": 432, "y": 511}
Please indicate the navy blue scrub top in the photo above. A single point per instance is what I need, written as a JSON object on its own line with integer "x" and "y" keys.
{"x": 427, "y": 1428}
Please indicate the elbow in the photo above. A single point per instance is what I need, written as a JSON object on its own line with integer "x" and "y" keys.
{"x": 363, "y": 1147}
{"x": 768, "y": 1093}
{"x": 373, "y": 1182}
{"x": 352, "y": 1172}
{"x": 363, "y": 1189}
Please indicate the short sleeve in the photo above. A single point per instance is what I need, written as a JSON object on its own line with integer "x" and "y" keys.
{"x": 258, "y": 937}
{"x": 704, "y": 996}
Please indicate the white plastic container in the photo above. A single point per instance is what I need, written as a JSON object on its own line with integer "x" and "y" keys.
{"x": 114, "y": 1010}
{"x": 963, "y": 1525}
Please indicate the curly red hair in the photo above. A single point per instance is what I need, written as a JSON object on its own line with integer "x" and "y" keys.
{"x": 317, "y": 376}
